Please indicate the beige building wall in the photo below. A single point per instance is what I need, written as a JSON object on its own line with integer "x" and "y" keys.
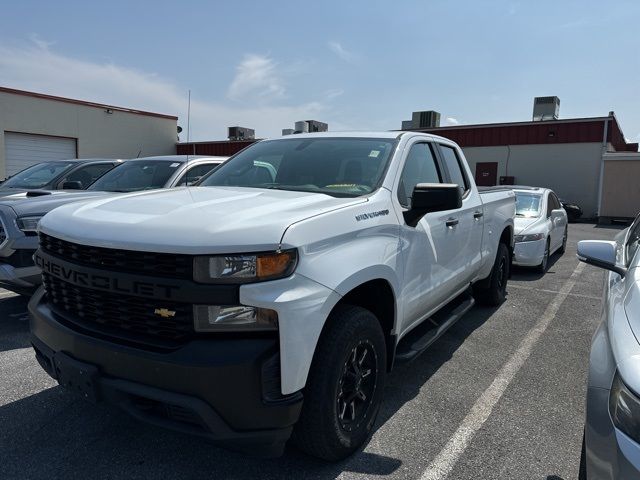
{"x": 621, "y": 185}
{"x": 121, "y": 134}
{"x": 572, "y": 170}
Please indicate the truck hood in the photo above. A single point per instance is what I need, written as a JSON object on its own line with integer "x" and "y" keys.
{"x": 24, "y": 205}
{"x": 520, "y": 224}
{"x": 191, "y": 220}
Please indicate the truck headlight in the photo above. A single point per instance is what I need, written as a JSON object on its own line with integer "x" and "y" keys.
{"x": 531, "y": 237}
{"x": 624, "y": 407}
{"x": 215, "y": 318}
{"x": 243, "y": 268}
{"x": 29, "y": 224}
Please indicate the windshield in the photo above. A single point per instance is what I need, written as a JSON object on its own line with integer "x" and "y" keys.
{"x": 341, "y": 167}
{"x": 136, "y": 175}
{"x": 528, "y": 205}
{"x": 37, "y": 176}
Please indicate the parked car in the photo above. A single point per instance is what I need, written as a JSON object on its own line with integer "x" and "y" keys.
{"x": 611, "y": 446}
{"x": 540, "y": 227}
{"x": 574, "y": 212}
{"x": 255, "y": 304}
{"x": 58, "y": 175}
{"x": 20, "y": 213}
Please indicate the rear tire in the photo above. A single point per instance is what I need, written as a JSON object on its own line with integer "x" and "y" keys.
{"x": 542, "y": 268}
{"x": 345, "y": 385}
{"x": 495, "y": 291}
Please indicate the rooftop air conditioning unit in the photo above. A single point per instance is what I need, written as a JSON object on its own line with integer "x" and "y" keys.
{"x": 428, "y": 119}
{"x": 546, "y": 108}
{"x": 241, "y": 133}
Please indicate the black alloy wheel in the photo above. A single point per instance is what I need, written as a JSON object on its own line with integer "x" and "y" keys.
{"x": 357, "y": 386}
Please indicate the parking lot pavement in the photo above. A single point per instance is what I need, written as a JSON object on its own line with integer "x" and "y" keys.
{"x": 501, "y": 395}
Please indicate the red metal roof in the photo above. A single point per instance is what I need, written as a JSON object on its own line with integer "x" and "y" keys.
{"x": 217, "y": 148}
{"x": 85, "y": 103}
{"x": 579, "y": 130}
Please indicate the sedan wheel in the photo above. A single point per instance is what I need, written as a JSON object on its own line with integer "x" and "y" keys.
{"x": 542, "y": 268}
{"x": 563, "y": 248}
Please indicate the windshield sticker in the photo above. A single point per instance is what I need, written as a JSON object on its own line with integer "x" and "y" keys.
{"x": 367, "y": 216}
{"x": 174, "y": 165}
{"x": 374, "y": 153}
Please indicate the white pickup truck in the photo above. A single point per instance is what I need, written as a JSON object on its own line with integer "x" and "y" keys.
{"x": 273, "y": 299}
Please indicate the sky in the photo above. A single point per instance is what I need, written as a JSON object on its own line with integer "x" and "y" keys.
{"x": 357, "y": 65}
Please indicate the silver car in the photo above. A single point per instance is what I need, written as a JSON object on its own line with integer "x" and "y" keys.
{"x": 611, "y": 447}
{"x": 540, "y": 227}
{"x": 20, "y": 213}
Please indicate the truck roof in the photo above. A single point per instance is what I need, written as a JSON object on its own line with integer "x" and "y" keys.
{"x": 360, "y": 134}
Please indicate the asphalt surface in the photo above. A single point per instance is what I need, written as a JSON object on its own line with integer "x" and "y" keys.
{"x": 477, "y": 405}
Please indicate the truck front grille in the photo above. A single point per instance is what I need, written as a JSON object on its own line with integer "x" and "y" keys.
{"x": 125, "y": 261}
{"x": 120, "y": 318}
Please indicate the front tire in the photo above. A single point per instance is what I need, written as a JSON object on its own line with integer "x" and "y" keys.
{"x": 582, "y": 470}
{"x": 495, "y": 291}
{"x": 542, "y": 268}
{"x": 345, "y": 385}
{"x": 563, "y": 248}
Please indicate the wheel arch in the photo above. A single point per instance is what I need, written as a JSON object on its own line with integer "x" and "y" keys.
{"x": 379, "y": 297}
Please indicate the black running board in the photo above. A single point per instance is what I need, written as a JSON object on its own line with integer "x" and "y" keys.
{"x": 432, "y": 328}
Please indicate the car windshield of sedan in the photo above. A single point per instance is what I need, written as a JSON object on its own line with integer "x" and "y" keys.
{"x": 528, "y": 205}
{"x": 340, "y": 167}
{"x": 136, "y": 175}
{"x": 37, "y": 176}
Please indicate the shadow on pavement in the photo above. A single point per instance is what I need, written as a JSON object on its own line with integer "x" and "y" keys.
{"x": 14, "y": 323}
{"x": 43, "y": 429}
{"x": 529, "y": 274}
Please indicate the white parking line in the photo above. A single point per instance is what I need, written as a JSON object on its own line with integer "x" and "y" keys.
{"x": 442, "y": 465}
{"x": 579, "y": 295}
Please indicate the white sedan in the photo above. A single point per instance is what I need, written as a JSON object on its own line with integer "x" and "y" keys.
{"x": 540, "y": 227}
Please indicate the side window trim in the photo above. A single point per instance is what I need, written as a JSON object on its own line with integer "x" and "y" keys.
{"x": 467, "y": 184}
{"x": 629, "y": 258}
{"x": 436, "y": 158}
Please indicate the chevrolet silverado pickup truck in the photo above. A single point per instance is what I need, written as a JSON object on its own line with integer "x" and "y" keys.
{"x": 21, "y": 212}
{"x": 271, "y": 300}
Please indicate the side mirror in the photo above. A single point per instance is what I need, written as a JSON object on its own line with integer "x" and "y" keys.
{"x": 72, "y": 185}
{"x": 600, "y": 253}
{"x": 432, "y": 197}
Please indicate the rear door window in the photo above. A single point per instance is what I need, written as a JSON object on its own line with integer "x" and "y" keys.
{"x": 452, "y": 163}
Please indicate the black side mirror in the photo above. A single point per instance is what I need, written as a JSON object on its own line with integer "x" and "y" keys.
{"x": 72, "y": 185}
{"x": 432, "y": 197}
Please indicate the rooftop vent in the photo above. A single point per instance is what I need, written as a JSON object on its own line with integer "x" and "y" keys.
{"x": 241, "y": 133}
{"x": 546, "y": 108}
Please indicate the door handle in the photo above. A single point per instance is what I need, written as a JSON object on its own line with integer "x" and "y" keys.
{"x": 451, "y": 222}
{"x": 478, "y": 215}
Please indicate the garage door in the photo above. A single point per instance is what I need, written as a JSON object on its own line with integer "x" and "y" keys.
{"x": 22, "y": 150}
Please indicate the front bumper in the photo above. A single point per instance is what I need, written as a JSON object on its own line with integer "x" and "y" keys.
{"x": 224, "y": 389}
{"x": 19, "y": 273}
{"x": 529, "y": 254}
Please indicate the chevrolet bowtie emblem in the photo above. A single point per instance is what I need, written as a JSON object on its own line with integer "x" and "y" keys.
{"x": 165, "y": 313}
